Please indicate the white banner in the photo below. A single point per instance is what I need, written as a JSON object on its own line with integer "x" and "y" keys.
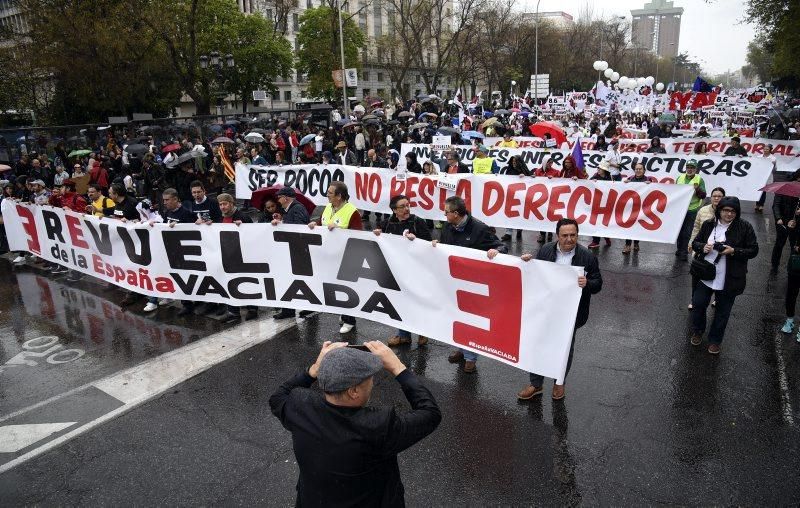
{"x": 739, "y": 176}
{"x": 497, "y": 308}
{"x": 786, "y": 151}
{"x": 649, "y": 212}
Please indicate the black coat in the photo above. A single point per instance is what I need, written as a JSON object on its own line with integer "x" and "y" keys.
{"x": 348, "y": 456}
{"x": 296, "y": 214}
{"x": 413, "y": 224}
{"x": 594, "y": 280}
{"x": 784, "y": 208}
{"x": 475, "y": 235}
{"x": 742, "y": 238}
{"x": 126, "y": 209}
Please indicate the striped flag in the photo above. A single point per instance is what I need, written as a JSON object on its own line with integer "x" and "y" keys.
{"x": 226, "y": 163}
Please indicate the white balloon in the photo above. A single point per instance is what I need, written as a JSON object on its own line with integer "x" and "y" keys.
{"x": 623, "y": 81}
{"x": 596, "y": 65}
{"x": 660, "y": 86}
{"x": 615, "y": 76}
{"x": 608, "y": 72}
{"x": 603, "y": 65}
{"x": 641, "y": 82}
{"x": 649, "y": 80}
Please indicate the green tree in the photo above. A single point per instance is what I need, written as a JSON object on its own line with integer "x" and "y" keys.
{"x": 318, "y": 53}
{"x": 191, "y": 28}
{"x": 86, "y": 61}
{"x": 260, "y": 56}
{"x": 777, "y": 35}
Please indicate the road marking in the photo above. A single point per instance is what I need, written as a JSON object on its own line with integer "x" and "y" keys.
{"x": 786, "y": 403}
{"x": 145, "y": 381}
{"x": 14, "y": 438}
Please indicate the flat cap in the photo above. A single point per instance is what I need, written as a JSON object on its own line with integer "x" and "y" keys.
{"x": 345, "y": 367}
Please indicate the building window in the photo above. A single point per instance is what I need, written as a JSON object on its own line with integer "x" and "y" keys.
{"x": 379, "y": 92}
{"x": 365, "y": 75}
{"x": 380, "y": 77}
{"x": 276, "y": 95}
{"x": 296, "y": 22}
{"x": 365, "y": 92}
{"x": 309, "y": 4}
{"x": 287, "y": 95}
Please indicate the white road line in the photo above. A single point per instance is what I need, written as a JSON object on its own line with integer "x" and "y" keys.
{"x": 786, "y": 403}
{"x": 149, "y": 379}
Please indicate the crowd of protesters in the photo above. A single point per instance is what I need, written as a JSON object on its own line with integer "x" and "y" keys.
{"x": 187, "y": 178}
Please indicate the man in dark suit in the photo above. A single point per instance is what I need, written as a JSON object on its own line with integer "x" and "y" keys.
{"x": 464, "y": 230}
{"x": 567, "y": 251}
{"x": 293, "y": 213}
{"x": 347, "y": 452}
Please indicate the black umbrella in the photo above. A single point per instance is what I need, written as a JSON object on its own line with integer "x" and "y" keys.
{"x": 137, "y": 149}
{"x": 448, "y": 130}
{"x": 405, "y": 114}
{"x": 193, "y": 154}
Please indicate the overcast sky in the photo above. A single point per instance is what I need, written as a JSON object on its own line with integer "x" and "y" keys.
{"x": 710, "y": 32}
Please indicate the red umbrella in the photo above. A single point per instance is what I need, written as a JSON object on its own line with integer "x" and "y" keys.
{"x": 260, "y": 196}
{"x": 539, "y": 129}
{"x": 791, "y": 189}
{"x": 171, "y": 148}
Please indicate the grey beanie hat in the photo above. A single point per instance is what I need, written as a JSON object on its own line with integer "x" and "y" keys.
{"x": 345, "y": 367}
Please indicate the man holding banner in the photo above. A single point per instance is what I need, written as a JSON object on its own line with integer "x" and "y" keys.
{"x": 340, "y": 213}
{"x": 690, "y": 178}
{"x": 567, "y": 251}
{"x": 464, "y": 230}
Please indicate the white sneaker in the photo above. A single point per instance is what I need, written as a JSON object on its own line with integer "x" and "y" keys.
{"x": 788, "y": 325}
{"x": 346, "y": 327}
{"x": 150, "y": 307}
{"x": 19, "y": 260}
{"x": 164, "y": 301}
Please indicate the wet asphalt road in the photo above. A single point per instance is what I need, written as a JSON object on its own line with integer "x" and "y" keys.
{"x": 648, "y": 419}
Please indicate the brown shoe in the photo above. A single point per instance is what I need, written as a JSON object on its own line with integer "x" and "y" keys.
{"x": 469, "y": 366}
{"x": 636, "y": 247}
{"x": 713, "y": 349}
{"x": 626, "y": 249}
{"x": 558, "y": 392}
{"x": 529, "y": 392}
{"x": 422, "y": 340}
{"x": 455, "y": 357}
{"x": 696, "y": 339}
{"x": 397, "y": 340}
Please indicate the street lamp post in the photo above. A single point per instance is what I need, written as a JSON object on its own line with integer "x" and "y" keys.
{"x": 345, "y": 101}
{"x": 218, "y": 63}
{"x": 536, "y": 57}
{"x": 674, "y": 61}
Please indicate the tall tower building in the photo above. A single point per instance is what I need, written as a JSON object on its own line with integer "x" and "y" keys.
{"x": 657, "y": 27}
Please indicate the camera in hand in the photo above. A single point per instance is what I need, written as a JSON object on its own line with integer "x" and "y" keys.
{"x": 719, "y": 246}
{"x": 205, "y": 216}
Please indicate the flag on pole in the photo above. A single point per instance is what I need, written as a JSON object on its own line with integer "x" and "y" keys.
{"x": 226, "y": 163}
{"x": 460, "y": 105}
{"x": 577, "y": 154}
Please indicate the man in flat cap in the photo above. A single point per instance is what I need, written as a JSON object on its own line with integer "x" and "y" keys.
{"x": 347, "y": 452}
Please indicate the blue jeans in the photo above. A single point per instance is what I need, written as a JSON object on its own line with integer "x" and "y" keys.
{"x": 403, "y": 334}
{"x": 700, "y": 300}
{"x": 469, "y": 355}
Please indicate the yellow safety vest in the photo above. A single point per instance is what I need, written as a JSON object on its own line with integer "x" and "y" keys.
{"x": 341, "y": 218}
{"x": 482, "y": 165}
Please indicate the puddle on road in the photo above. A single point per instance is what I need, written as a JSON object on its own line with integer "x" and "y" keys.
{"x": 56, "y": 336}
